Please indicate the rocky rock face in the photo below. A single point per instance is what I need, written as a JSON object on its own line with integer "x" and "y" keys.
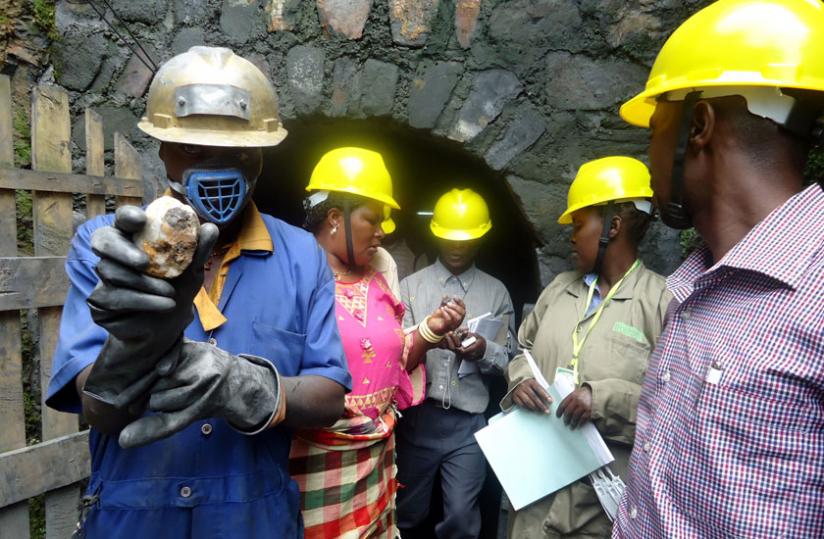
{"x": 169, "y": 238}
{"x": 531, "y": 88}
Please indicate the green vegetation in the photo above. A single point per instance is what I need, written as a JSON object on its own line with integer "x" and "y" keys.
{"x": 25, "y": 223}
{"x": 44, "y": 17}
{"x": 22, "y": 139}
{"x": 37, "y": 517}
{"x": 814, "y": 172}
{"x": 6, "y": 26}
{"x": 689, "y": 239}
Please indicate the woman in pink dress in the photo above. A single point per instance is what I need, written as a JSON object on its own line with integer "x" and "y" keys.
{"x": 346, "y": 472}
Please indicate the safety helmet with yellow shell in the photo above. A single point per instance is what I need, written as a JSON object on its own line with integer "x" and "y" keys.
{"x": 609, "y": 179}
{"x": 767, "y": 51}
{"x": 752, "y": 48}
{"x": 210, "y": 96}
{"x": 460, "y": 215}
{"x": 356, "y": 171}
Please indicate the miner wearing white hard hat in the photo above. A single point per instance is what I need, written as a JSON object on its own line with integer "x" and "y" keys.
{"x": 192, "y": 384}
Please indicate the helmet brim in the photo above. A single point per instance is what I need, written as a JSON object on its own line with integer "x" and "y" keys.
{"x": 459, "y": 235}
{"x": 206, "y": 137}
{"x": 638, "y": 110}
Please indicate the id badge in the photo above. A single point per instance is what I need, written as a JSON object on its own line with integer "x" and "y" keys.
{"x": 568, "y": 375}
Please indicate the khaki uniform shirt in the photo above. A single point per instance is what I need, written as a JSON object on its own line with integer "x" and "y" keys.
{"x": 612, "y": 362}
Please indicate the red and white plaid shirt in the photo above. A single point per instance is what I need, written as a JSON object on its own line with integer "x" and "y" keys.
{"x": 730, "y": 433}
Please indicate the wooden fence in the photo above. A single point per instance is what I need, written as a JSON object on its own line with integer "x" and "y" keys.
{"x": 55, "y": 466}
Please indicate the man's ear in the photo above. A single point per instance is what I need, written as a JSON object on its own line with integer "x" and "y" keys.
{"x": 704, "y": 122}
{"x": 615, "y": 226}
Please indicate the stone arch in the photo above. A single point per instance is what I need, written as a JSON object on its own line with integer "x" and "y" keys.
{"x": 530, "y": 88}
{"x": 423, "y": 167}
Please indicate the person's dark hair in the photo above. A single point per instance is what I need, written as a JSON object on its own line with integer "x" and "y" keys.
{"x": 315, "y": 215}
{"x": 636, "y": 222}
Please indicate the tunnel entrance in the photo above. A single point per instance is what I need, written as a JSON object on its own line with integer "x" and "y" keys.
{"x": 423, "y": 167}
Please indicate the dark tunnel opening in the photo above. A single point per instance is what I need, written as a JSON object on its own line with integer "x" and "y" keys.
{"x": 422, "y": 167}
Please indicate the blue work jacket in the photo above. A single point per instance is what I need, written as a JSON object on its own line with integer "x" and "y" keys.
{"x": 209, "y": 481}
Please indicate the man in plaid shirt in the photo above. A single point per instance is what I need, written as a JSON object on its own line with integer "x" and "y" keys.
{"x": 730, "y": 432}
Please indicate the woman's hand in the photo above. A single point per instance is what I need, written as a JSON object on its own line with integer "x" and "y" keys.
{"x": 448, "y": 317}
{"x": 576, "y": 407}
{"x": 530, "y": 395}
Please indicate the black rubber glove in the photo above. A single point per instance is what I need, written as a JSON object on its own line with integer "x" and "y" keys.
{"x": 208, "y": 382}
{"x": 144, "y": 316}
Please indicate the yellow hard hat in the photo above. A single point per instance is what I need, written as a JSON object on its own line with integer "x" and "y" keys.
{"x": 738, "y": 43}
{"x": 460, "y": 214}
{"x": 388, "y": 225}
{"x": 210, "y": 96}
{"x": 615, "y": 178}
{"x": 354, "y": 170}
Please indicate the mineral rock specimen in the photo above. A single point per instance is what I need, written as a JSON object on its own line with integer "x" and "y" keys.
{"x": 169, "y": 237}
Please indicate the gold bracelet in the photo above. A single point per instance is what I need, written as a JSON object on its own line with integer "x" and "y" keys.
{"x": 427, "y": 334}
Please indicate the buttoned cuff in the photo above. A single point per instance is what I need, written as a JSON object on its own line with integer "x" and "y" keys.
{"x": 494, "y": 359}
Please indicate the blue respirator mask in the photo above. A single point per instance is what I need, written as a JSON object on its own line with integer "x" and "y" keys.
{"x": 217, "y": 195}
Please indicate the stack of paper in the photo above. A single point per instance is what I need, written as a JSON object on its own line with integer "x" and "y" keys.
{"x": 486, "y": 327}
{"x": 536, "y": 454}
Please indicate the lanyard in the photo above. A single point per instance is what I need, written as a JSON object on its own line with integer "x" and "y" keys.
{"x": 577, "y": 343}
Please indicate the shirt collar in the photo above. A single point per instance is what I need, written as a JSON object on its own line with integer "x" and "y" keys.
{"x": 254, "y": 236}
{"x": 580, "y": 287}
{"x": 780, "y": 246}
{"x": 444, "y": 275}
{"x": 590, "y": 278}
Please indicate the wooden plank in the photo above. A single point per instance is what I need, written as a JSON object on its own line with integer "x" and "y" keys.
{"x": 6, "y": 125}
{"x": 51, "y": 133}
{"x": 126, "y": 165}
{"x": 18, "y": 274}
{"x": 56, "y": 182}
{"x": 14, "y": 519}
{"x": 95, "y": 166}
{"x": 44, "y": 467}
{"x": 8, "y": 220}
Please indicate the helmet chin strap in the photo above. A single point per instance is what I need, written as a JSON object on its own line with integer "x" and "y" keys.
{"x": 603, "y": 242}
{"x": 347, "y": 220}
{"x": 675, "y": 213}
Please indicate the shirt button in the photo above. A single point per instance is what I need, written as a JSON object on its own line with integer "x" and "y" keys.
{"x": 647, "y": 447}
{"x": 212, "y": 341}
{"x": 666, "y": 376}
{"x": 206, "y": 429}
{"x": 185, "y": 492}
{"x": 440, "y": 387}
{"x": 686, "y": 314}
{"x": 633, "y": 513}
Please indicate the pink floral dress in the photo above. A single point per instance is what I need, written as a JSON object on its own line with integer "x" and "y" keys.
{"x": 354, "y": 459}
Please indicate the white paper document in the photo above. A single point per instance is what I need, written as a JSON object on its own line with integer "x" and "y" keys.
{"x": 486, "y": 327}
{"x": 535, "y": 454}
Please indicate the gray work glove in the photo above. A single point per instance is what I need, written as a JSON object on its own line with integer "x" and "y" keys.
{"x": 144, "y": 316}
{"x": 208, "y": 382}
